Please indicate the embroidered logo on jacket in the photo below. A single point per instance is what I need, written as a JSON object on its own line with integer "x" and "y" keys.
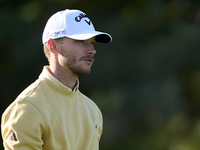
{"x": 13, "y": 137}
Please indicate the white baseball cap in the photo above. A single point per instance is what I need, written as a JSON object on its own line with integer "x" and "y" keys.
{"x": 73, "y": 24}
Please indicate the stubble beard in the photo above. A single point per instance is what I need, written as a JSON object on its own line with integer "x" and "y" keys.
{"x": 72, "y": 64}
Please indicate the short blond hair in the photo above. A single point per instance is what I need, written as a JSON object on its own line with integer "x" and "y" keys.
{"x": 46, "y": 51}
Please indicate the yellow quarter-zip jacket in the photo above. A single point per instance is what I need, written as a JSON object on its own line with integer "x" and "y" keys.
{"x": 50, "y": 116}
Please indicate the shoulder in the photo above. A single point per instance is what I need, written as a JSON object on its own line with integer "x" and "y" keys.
{"x": 35, "y": 87}
{"x": 22, "y": 113}
{"x": 88, "y": 102}
{"x": 22, "y": 106}
{"x": 86, "y": 99}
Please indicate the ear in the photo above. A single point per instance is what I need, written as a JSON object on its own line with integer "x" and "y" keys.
{"x": 52, "y": 46}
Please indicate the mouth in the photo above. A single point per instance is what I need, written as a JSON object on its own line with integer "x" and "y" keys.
{"x": 88, "y": 59}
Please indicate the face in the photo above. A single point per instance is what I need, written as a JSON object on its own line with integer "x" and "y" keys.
{"x": 76, "y": 56}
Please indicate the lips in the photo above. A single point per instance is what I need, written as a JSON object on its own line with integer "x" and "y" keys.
{"x": 89, "y": 59}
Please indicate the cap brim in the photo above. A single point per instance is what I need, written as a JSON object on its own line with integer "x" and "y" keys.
{"x": 100, "y": 36}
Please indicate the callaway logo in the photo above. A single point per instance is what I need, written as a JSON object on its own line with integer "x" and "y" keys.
{"x": 81, "y": 16}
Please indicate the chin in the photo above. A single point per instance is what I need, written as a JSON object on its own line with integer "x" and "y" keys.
{"x": 82, "y": 72}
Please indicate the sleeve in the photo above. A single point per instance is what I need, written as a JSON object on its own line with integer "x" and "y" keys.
{"x": 100, "y": 129}
{"x": 22, "y": 127}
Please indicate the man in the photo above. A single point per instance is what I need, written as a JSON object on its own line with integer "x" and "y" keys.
{"x": 52, "y": 114}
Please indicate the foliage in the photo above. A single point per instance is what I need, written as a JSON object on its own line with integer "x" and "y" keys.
{"x": 146, "y": 82}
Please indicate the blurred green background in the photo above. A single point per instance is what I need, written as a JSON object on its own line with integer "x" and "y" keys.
{"x": 146, "y": 82}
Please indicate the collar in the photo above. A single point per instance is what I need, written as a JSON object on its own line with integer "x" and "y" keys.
{"x": 46, "y": 75}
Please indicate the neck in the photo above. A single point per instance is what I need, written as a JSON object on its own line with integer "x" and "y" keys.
{"x": 66, "y": 78}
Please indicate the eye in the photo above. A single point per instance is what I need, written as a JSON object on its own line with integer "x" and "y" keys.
{"x": 93, "y": 42}
{"x": 81, "y": 41}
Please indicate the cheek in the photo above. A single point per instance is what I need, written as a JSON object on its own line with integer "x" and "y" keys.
{"x": 62, "y": 60}
{"x": 71, "y": 61}
{"x": 70, "y": 56}
{"x": 63, "y": 57}
{"x": 68, "y": 60}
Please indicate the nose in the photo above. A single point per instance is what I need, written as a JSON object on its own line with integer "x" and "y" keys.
{"x": 91, "y": 50}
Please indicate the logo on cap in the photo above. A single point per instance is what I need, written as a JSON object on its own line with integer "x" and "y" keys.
{"x": 81, "y": 16}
